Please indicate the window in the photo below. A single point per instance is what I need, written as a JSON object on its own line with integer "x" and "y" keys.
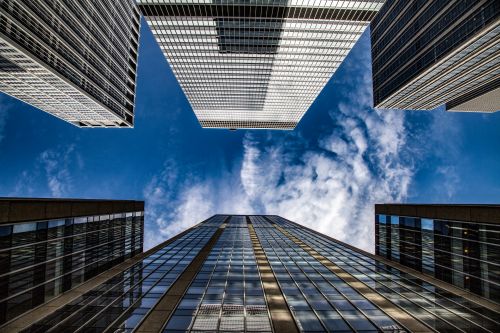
{"x": 427, "y": 224}
{"x": 395, "y": 220}
{"x": 24, "y": 227}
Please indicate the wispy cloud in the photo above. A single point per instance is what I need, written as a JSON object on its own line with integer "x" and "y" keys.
{"x": 330, "y": 185}
{"x": 174, "y": 203}
{"x": 161, "y": 222}
{"x": 57, "y": 163}
{"x": 51, "y": 174}
{"x": 332, "y": 188}
{"x": 4, "y": 107}
{"x": 445, "y": 137}
{"x": 436, "y": 139}
{"x": 25, "y": 185}
{"x": 450, "y": 180}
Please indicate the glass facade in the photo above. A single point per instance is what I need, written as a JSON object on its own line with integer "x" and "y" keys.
{"x": 72, "y": 59}
{"x": 250, "y": 273}
{"x": 429, "y": 53}
{"x": 463, "y": 253}
{"x": 257, "y": 64}
{"x": 318, "y": 298}
{"x": 122, "y": 302}
{"x": 227, "y": 293}
{"x": 41, "y": 259}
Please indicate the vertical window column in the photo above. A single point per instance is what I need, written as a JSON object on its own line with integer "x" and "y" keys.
{"x": 395, "y": 238}
{"x": 5, "y": 264}
{"x": 39, "y": 270}
{"x": 281, "y": 316}
{"x": 68, "y": 257}
{"x": 471, "y": 256}
{"x": 163, "y": 310}
{"x": 428, "y": 246}
{"x": 384, "y": 304}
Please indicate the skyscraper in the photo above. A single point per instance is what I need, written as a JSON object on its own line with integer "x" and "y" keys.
{"x": 51, "y": 246}
{"x": 74, "y": 59}
{"x": 431, "y": 53}
{"x": 234, "y": 273}
{"x": 458, "y": 244}
{"x": 255, "y": 64}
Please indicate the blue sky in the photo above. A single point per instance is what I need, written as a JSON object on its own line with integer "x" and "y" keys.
{"x": 342, "y": 158}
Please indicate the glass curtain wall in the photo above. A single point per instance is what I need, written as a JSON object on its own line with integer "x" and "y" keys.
{"x": 42, "y": 259}
{"x": 326, "y": 286}
{"x": 464, "y": 254}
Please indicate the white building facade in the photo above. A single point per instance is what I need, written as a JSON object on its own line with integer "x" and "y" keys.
{"x": 75, "y": 59}
{"x": 255, "y": 64}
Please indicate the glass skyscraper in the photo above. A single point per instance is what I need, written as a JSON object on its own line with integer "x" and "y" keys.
{"x": 255, "y": 64}
{"x": 50, "y": 246}
{"x": 458, "y": 244}
{"x": 428, "y": 53}
{"x": 74, "y": 59}
{"x": 238, "y": 273}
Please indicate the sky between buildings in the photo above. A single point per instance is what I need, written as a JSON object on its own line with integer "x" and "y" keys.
{"x": 342, "y": 158}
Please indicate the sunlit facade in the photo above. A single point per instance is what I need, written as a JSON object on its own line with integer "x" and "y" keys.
{"x": 73, "y": 59}
{"x": 258, "y": 64}
{"x": 239, "y": 273}
{"x": 426, "y": 54}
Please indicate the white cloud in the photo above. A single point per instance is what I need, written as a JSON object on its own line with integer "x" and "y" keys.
{"x": 192, "y": 207}
{"x": 445, "y": 142}
{"x": 57, "y": 163}
{"x": 449, "y": 181}
{"x": 24, "y": 185}
{"x": 172, "y": 205}
{"x": 167, "y": 215}
{"x": 332, "y": 187}
{"x": 51, "y": 174}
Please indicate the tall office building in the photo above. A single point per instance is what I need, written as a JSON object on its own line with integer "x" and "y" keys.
{"x": 431, "y": 53}
{"x": 74, "y": 59}
{"x": 52, "y": 246}
{"x": 234, "y": 273}
{"x": 255, "y": 64}
{"x": 458, "y": 244}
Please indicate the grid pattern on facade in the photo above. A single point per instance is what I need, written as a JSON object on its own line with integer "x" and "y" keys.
{"x": 227, "y": 293}
{"x": 380, "y": 302}
{"x": 281, "y": 315}
{"x": 464, "y": 254}
{"x": 440, "y": 310}
{"x": 247, "y": 124}
{"x": 40, "y": 260}
{"x": 319, "y": 300}
{"x": 259, "y": 64}
{"x": 124, "y": 300}
{"x": 78, "y": 58}
{"x": 478, "y": 100}
{"x": 428, "y": 53}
